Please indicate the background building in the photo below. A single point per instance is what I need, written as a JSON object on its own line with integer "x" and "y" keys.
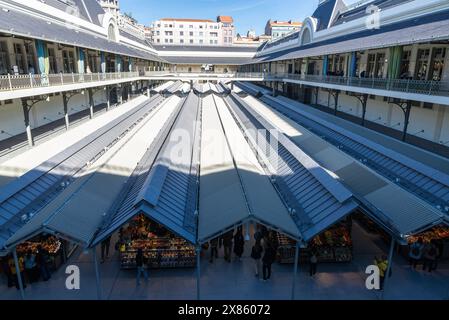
{"x": 278, "y": 29}
{"x": 111, "y": 6}
{"x": 251, "y": 39}
{"x": 172, "y": 31}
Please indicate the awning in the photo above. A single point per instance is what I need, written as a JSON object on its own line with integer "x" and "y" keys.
{"x": 163, "y": 187}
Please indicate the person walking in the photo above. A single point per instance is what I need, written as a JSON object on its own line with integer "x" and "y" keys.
{"x": 30, "y": 266}
{"x": 256, "y": 255}
{"x": 41, "y": 261}
{"x": 226, "y": 240}
{"x": 239, "y": 243}
{"x": 415, "y": 253}
{"x": 430, "y": 256}
{"x": 105, "y": 244}
{"x": 213, "y": 250}
{"x": 313, "y": 263}
{"x": 382, "y": 264}
{"x": 267, "y": 260}
{"x": 141, "y": 267}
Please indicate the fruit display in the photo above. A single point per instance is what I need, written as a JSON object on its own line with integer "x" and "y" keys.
{"x": 160, "y": 248}
{"x": 51, "y": 244}
{"x": 437, "y": 233}
{"x": 334, "y": 245}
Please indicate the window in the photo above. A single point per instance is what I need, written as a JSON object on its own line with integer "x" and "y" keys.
{"x": 166, "y": 40}
{"x": 405, "y": 64}
{"x": 214, "y": 34}
{"x": 191, "y": 26}
{"x": 201, "y": 34}
{"x": 169, "y": 33}
{"x": 181, "y": 33}
{"x": 158, "y": 33}
{"x": 158, "y": 40}
{"x": 165, "y": 25}
{"x": 68, "y": 58}
{"x": 422, "y": 64}
{"x": 93, "y": 62}
{"x": 3, "y": 58}
{"x": 191, "y": 41}
{"x": 201, "y": 41}
{"x": 52, "y": 60}
{"x": 111, "y": 32}
{"x": 191, "y": 33}
{"x": 19, "y": 59}
{"x": 171, "y": 40}
{"x": 29, "y": 51}
{"x": 181, "y": 41}
{"x": 437, "y": 64}
{"x": 181, "y": 26}
{"x": 211, "y": 41}
{"x": 201, "y": 27}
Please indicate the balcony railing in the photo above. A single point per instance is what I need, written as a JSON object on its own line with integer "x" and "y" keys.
{"x": 437, "y": 88}
{"x": 29, "y": 81}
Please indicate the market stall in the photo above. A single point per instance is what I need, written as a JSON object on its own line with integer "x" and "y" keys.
{"x": 439, "y": 235}
{"x": 334, "y": 245}
{"x": 54, "y": 248}
{"x": 161, "y": 248}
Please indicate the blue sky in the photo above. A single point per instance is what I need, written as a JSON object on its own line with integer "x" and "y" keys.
{"x": 247, "y": 14}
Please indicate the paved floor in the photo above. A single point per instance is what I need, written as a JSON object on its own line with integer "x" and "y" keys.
{"x": 236, "y": 280}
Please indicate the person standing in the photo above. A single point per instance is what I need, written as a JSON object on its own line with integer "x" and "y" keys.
{"x": 267, "y": 260}
{"x": 239, "y": 243}
{"x": 105, "y": 244}
{"x": 382, "y": 264}
{"x": 430, "y": 257}
{"x": 41, "y": 260}
{"x": 141, "y": 267}
{"x": 213, "y": 250}
{"x": 415, "y": 253}
{"x": 258, "y": 236}
{"x": 256, "y": 255}
{"x": 313, "y": 263}
{"x": 227, "y": 244}
{"x": 30, "y": 266}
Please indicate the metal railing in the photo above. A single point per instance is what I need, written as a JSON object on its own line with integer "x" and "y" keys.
{"x": 439, "y": 88}
{"x": 29, "y": 81}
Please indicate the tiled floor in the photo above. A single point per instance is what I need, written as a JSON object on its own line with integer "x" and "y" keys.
{"x": 222, "y": 280}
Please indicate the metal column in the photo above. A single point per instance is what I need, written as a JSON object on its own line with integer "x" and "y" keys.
{"x": 18, "y": 274}
{"x": 108, "y": 98}
{"x": 26, "y": 115}
{"x": 408, "y": 109}
{"x": 66, "y": 110}
{"x": 295, "y": 270}
{"x": 390, "y": 262}
{"x": 91, "y": 103}
{"x": 198, "y": 272}
{"x": 97, "y": 272}
{"x": 364, "y": 104}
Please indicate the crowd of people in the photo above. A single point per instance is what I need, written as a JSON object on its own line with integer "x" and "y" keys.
{"x": 426, "y": 254}
{"x": 33, "y": 266}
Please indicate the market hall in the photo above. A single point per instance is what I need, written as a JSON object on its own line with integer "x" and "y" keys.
{"x": 176, "y": 208}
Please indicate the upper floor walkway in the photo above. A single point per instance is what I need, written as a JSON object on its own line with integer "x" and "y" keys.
{"x": 20, "y": 86}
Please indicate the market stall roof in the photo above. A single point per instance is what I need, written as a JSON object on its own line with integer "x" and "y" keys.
{"x": 398, "y": 210}
{"x": 15, "y": 22}
{"x": 78, "y": 211}
{"x": 431, "y": 27}
{"x": 317, "y": 199}
{"x": 163, "y": 186}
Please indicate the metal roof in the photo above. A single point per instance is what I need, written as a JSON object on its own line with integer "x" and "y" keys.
{"x": 434, "y": 26}
{"x": 20, "y": 23}
{"x": 205, "y": 48}
{"x": 42, "y": 186}
{"x": 163, "y": 188}
{"x": 225, "y": 60}
{"x": 317, "y": 198}
{"x": 380, "y": 195}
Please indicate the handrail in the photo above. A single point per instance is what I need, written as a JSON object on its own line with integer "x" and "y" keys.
{"x": 28, "y": 81}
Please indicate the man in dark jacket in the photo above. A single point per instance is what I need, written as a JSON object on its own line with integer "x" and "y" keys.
{"x": 226, "y": 240}
{"x": 268, "y": 258}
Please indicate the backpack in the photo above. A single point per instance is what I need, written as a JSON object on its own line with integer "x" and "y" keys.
{"x": 256, "y": 254}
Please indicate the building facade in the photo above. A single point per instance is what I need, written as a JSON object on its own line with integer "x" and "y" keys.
{"x": 337, "y": 46}
{"x": 170, "y": 31}
{"x": 110, "y": 6}
{"x": 278, "y": 29}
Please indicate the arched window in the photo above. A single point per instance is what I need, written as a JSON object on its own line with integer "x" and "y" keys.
{"x": 111, "y": 32}
{"x": 306, "y": 37}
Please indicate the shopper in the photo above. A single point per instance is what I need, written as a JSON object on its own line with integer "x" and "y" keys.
{"x": 382, "y": 264}
{"x": 415, "y": 253}
{"x": 313, "y": 263}
{"x": 226, "y": 240}
{"x": 213, "y": 250}
{"x": 12, "y": 269}
{"x": 7, "y": 271}
{"x": 30, "y": 266}
{"x": 239, "y": 243}
{"x": 267, "y": 260}
{"x": 258, "y": 235}
{"x": 141, "y": 267}
{"x": 105, "y": 244}
{"x": 430, "y": 257}
{"x": 41, "y": 261}
{"x": 256, "y": 255}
